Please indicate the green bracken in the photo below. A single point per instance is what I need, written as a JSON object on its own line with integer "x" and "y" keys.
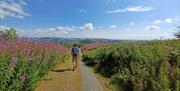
{"x": 138, "y": 66}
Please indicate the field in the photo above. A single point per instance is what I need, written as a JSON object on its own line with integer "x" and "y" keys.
{"x": 128, "y": 66}
{"x": 138, "y": 66}
{"x": 89, "y": 45}
{"x": 23, "y": 63}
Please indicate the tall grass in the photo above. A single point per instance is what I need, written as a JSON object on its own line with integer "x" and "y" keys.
{"x": 23, "y": 63}
{"x": 137, "y": 66}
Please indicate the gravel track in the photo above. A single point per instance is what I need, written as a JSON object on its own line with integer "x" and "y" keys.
{"x": 89, "y": 80}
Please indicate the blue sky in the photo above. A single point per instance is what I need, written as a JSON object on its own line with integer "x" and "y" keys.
{"x": 113, "y": 19}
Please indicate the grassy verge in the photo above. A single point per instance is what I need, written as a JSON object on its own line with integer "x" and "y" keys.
{"x": 105, "y": 83}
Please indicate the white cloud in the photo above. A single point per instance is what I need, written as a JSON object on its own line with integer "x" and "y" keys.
{"x": 4, "y": 13}
{"x": 83, "y": 10}
{"x": 74, "y": 32}
{"x": 20, "y": 32}
{"x": 128, "y": 30}
{"x": 3, "y": 28}
{"x": 55, "y": 30}
{"x": 132, "y": 23}
{"x": 176, "y": 19}
{"x": 132, "y": 9}
{"x": 168, "y": 20}
{"x": 157, "y": 21}
{"x": 12, "y": 9}
{"x": 152, "y": 27}
{"x": 23, "y": 2}
{"x": 113, "y": 26}
{"x": 46, "y": 32}
{"x": 58, "y": 31}
{"x": 114, "y": 0}
{"x": 87, "y": 26}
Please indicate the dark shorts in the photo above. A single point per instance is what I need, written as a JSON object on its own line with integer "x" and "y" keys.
{"x": 74, "y": 58}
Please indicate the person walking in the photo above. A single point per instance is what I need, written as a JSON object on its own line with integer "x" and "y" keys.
{"x": 75, "y": 54}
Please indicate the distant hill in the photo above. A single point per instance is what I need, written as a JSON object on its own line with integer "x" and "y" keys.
{"x": 74, "y": 40}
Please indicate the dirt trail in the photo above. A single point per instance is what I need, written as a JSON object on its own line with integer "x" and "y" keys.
{"x": 89, "y": 80}
{"x": 62, "y": 78}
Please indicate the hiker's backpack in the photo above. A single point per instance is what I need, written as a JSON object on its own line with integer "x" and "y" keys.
{"x": 75, "y": 51}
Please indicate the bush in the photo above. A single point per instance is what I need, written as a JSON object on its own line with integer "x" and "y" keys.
{"x": 177, "y": 35}
{"x": 9, "y": 34}
{"x": 139, "y": 66}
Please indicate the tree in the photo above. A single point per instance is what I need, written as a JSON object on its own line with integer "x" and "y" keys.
{"x": 178, "y": 33}
{"x": 10, "y": 34}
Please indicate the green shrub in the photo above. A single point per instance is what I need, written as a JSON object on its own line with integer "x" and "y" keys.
{"x": 139, "y": 66}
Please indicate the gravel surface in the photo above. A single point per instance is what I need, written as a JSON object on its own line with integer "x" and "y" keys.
{"x": 89, "y": 80}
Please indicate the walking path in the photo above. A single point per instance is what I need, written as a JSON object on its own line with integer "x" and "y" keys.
{"x": 89, "y": 80}
{"x": 62, "y": 78}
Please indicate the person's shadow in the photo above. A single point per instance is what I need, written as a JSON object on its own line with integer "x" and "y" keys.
{"x": 62, "y": 70}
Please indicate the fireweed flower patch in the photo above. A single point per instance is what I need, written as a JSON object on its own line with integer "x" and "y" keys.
{"x": 23, "y": 63}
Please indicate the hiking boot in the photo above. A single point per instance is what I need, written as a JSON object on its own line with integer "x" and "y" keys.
{"x": 73, "y": 69}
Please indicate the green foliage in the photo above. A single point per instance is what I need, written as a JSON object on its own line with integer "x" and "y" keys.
{"x": 34, "y": 70}
{"x": 23, "y": 67}
{"x": 178, "y": 33}
{"x": 10, "y": 34}
{"x": 138, "y": 66}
